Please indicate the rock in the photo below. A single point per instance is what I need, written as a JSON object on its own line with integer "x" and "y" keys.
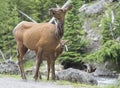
{"x": 9, "y": 66}
{"x": 29, "y": 55}
{"x": 102, "y": 71}
{"x": 119, "y": 77}
{"x": 92, "y": 34}
{"x": 95, "y": 8}
{"x": 75, "y": 75}
{"x": 118, "y": 39}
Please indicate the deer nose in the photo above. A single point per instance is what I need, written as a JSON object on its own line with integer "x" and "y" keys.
{"x": 51, "y": 11}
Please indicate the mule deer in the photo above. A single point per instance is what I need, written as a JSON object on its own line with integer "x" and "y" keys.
{"x": 40, "y": 37}
{"x": 59, "y": 49}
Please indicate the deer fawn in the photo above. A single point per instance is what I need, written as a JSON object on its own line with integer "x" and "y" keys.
{"x": 46, "y": 56}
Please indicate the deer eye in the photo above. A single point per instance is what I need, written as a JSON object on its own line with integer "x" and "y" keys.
{"x": 53, "y": 13}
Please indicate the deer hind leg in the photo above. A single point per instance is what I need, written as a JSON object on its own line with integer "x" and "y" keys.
{"x": 53, "y": 67}
{"x": 21, "y": 52}
{"x": 38, "y": 62}
{"x": 48, "y": 66}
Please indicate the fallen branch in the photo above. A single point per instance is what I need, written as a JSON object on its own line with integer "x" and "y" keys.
{"x": 52, "y": 20}
{"x": 27, "y": 16}
{"x": 113, "y": 17}
{"x": 10, "y": 58}
{"x": 112, "y": 23}
{"x": 2, "y": 55}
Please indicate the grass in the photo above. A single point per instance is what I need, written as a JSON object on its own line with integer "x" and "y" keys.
{"x": 79, "y": 85}
{"x": 29, "y": 63}
{"x": 10, "y": 76}
{"x": 61, "y": 82}
{"x": 75, "y": 85}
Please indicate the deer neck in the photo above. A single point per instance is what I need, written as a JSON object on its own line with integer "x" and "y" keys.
{"x": 60, "y": 28}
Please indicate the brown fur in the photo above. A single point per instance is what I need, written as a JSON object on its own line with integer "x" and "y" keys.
{"x": 46, "y": 56}
{"x": 40, "y": 37}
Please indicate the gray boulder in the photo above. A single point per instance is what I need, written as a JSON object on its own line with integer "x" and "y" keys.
{"x": 95, "y": 8}
{"x": 103, "y": 71}
{"x": 75, "y": 75}
{"x": 29, "y": 55}
{"x": 9, "y": 66}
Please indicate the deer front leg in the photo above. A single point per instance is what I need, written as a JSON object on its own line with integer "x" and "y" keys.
{"x": 38, "y": 62}
{"x": 53, "y": 67}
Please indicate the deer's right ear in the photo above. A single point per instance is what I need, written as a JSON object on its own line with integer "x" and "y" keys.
{"x": 69, "y": 7}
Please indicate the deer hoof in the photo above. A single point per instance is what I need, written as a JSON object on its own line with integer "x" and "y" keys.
{"x": 36, "y": 78}
{"x": 40, "y": 77}
{"x": 24, "y": 77}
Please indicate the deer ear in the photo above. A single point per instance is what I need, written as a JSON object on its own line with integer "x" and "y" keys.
{"x": 69, "y": 7}
{"x": 66, "y": 41}
{"x": 57, "y": 6}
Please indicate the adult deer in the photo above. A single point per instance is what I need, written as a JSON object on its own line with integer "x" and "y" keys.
{"x": 40, "y": 37}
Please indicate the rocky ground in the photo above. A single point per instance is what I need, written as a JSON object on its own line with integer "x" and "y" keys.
{"x": 17, "y": 83}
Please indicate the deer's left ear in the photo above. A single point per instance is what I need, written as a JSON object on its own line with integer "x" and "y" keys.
{"x": 69, "y": 7}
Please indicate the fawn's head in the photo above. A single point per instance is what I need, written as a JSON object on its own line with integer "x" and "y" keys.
{"x": 59, "y": 13}
{"x": 63, "y": 43}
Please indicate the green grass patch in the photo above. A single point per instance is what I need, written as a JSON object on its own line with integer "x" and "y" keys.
{"x": 10, "y": 76}
{"x": 29, "y": 63}
{"x": 75, "y": 85}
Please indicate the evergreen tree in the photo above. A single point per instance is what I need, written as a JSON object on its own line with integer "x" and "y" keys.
{"x": 74, "y": 33}
{"x": 37, "y": 9}
{"x": 9, "y": 18}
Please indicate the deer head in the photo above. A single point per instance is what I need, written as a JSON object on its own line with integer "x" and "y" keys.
{"x": 63, "y": 43}
{"x": 59, "y": 13}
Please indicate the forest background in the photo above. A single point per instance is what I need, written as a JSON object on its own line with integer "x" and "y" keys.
{"x": 78, "y": 46}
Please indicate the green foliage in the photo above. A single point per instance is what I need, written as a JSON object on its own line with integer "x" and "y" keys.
{"x": 37, "y": 9}
{"x": 70, "y": 56}
{"x": 106, "y": 22}
{"x": 29, "y": 64}
{"x": 74, "y": 34}
{"x": 109, "y": 51}
{"x": 117, "y": 22}
{"x": 111, "y": 30}
{"x": 73, "y": 28}
{"x": 9, "y": 17}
